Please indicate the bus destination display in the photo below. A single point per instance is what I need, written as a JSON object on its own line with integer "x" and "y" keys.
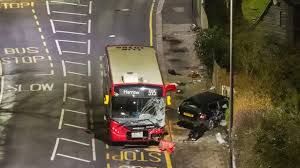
{"x": 138, "y": 91}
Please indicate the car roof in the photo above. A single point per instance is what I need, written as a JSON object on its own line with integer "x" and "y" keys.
{"x": 205, "y": 98}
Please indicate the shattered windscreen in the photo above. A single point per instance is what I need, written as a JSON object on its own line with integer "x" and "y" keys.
{"x": 139, "y": 110}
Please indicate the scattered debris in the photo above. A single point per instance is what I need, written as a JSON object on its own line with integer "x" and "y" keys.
{"x": 194, "y": 74}
{"x": 197, "y": 81}
{"x": 168, "y": 146}
{"x": 179, "y": 83}
{"x": 179, "y": 91}
{"x": 212, "y": 88}
{"x": 196, "y": 133}
{"x": 223, "y": 123}
{"x": 220, "y": 139}
{"x": 173, "y": 72}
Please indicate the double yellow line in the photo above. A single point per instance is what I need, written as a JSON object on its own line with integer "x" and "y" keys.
{"x": 151, "y": 22}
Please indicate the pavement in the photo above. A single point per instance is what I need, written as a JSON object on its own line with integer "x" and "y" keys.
{"x": 179, "y": 55}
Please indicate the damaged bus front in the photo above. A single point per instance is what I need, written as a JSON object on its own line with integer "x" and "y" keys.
{"x": 137, "y": 113}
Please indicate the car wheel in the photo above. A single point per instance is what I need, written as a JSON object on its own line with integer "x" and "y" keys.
{"x": 211, "y": 124}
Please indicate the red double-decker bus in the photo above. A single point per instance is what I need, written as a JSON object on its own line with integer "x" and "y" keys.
{"x": 135, "y": 95}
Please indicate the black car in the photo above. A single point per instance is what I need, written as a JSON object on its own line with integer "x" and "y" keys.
{"x": 204, "y": 109}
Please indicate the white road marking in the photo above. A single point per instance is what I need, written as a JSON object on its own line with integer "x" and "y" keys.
{"x": 35, "y": 17}
{"x": 58, "y": 47}
{"x": 51, "y": 65}
{"x": 66, "y": 21}
{"x": 42, "y": 37}
{"x": 75, "y": 126}
{"x": 89, "y": 47}
{"x": 61, "y": 118}
{"x": 55, "y": 149}
{"x": 112, "y": 35}
{"x": 69, "y": 32}
{"x": 69, "y": 13}
{"x": 44, "y": 43}
{"x": 80, "y": 86}
{"x": 76, "y": 73}
{"x": 72, "y": 98}
{"x": 47, "y": 51}
{"x": 90, "y": 7}
{"x": 71, "y": 62}
{"x": 74, "y": 52}
{"x": 65, "y": 92}
{"x": 74, "y": 111}
{"x": 89, "y": 25}
{"x": 37, "y": 23}
{"x": 52, "y": 26}
{"x": 70, "y": 41}
{"x": 89, "y": 68}
{"x": 1, "y": 70}
{"x": 78, "y": 142}
{"x": 49, "y": 57}
{"x": 101, "y": 66}
{"x": 71, "y": 157}
{"x": 47, "y": 6}
{"x": 101, "y": 73}
{"x": 90, "y": 92}
{"x": 93, "y": 148}
{"x": 40, "y": 30}
{"x": 33, "y": 11}
{"x": 51, "y": 73}
{"x": 2, "y": 88}
{"x": 68, "y": 3}
{"x": 64, "y": 67}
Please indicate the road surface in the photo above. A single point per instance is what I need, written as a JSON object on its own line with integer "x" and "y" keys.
{"x": 51, "y": 71}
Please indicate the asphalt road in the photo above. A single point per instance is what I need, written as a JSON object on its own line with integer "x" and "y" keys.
{"x": 52, "y": 65}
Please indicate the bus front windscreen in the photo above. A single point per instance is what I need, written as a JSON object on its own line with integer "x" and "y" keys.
{"x": 130, "y": 107}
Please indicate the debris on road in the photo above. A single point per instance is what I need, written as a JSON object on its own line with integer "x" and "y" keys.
{"x": 173, "y": 72}
{"x": 220, "y": 139}
{"x": 194, "y": 74}
{"x": 168, "y": 146}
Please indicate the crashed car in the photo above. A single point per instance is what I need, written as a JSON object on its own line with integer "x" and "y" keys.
{"x": 205, "y": 109}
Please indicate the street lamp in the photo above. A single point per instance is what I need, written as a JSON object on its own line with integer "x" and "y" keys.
{"x": 231, "y": 87}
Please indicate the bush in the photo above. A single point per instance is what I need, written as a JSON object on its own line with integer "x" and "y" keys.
{"x": 212, "y": 44}
{"x": 261, "y": 57}
{"x": 278, "y": 139}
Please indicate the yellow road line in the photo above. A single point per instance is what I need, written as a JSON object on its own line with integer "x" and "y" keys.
{"x": 107, "y": 165}
{"x": 150, "y": 23}
{"x": 168, "y": 159}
